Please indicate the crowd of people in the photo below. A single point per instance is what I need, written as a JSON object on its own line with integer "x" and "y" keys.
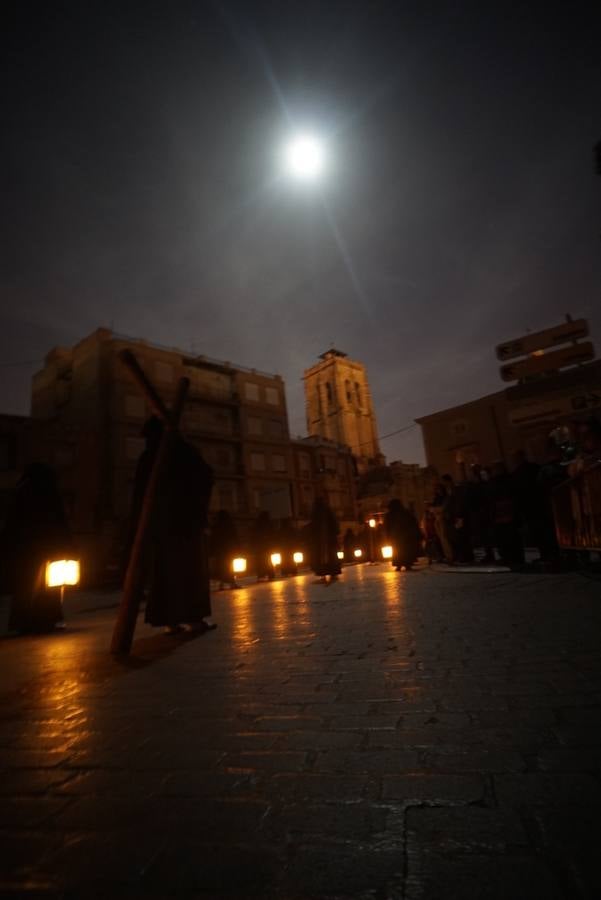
{"x": 500, "y": 510}
{"x": 489, "y": 517}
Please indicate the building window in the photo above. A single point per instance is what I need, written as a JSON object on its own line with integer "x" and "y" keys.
{"x": 272, "y": 396}
{"x": 329, "y": 394}
{"x": 358, "y": 393}
{"x": 459, "y": 427}
{"x": 304, "y": 464}
{"x": 251, "y": 391}
{"x": 276, "y": 428}
{"x": 278, "y": 462}
{"x": 134, "y": 406}
{"x": 226, "y": 496}
{"x": 255, "y": 425}
{"x": 163, "y": 372}
{"x": 134, "y": 447}
{"x": 8, "y": 452}
{"x": 223, "y": 456}
{"x": 349, "y": 396}
{"x": 257, "y": 462}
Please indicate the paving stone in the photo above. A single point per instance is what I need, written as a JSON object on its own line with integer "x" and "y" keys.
{"x": 432, "y": 736}
{"x": 380, "y": 762}
{"x": 325, "y": 787}
{"x": 530, "y": 789}
{"x": 467, "y": 829}
{"x": 278, "y": 761}
{"x": 431, "y": 876}
{"x": 434, "y": 789}
{"x": 347, "y": 871}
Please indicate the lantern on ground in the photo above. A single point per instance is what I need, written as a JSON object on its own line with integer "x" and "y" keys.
{"x": 298, "y": 557}
{"x": 387, "y": 552}
{"x": 340, "y": 554}
{"x": 358, "y": 553}
{"x": 238, "y": 565}
{"x": 62, "y": 573}
{"x": 276, "y": 559}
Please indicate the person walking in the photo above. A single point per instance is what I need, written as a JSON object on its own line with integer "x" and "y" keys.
{"x": 505, "y": 517}
{"x": 403, "y": 534}
{"x": 35, "y": 532}
{"x": 323, "y": 540}
{"x": 177, "y": 565}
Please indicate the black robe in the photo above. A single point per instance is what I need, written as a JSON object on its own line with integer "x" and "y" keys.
{"x": 323, "y": 540}
{"x": 402, "y": 531}
{"x": 176, "y": 562}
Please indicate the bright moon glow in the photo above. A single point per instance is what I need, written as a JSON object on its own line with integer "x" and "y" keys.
{"x": 305, "y": 157}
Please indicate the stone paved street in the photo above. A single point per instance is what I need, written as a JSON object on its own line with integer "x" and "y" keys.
{"x": 419, "y": 735}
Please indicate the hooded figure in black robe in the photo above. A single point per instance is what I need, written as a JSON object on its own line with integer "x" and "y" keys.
{"x": 35, "y": 533}
{"x": 323, "y": 541}
{"x": 403, "y": 534}
{"x": 177, "y": 565}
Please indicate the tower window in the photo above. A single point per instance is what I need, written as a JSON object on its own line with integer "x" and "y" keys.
{"x": 329, "y": 394}
{"x": 358, "y": 393}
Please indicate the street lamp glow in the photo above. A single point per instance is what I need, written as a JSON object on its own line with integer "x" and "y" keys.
{"x": 305, "y": 157}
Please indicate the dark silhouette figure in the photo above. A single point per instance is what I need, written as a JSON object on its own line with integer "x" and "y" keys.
{"x": 505, "y": 517}
{"x": 262, "y": 543}
{"x": 224, "y": 546}
{"x": 402, "y": 531}
{"x": 323, "y": 542}
{"x": 457, "y": 522}
{"x": 349, "y": 543}
{"x": 527, "y": 495}
{"x": 177, "y": 561}
{"x": 35, "y": 532}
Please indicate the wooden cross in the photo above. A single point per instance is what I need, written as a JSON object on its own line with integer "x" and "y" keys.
{"x": 123, "y": 633}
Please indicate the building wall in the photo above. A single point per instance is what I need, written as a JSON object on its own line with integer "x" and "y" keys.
{"x": 236, "y": 417}
{"x": 339, "y": 405}
{"x": 519, "y": 418}
{"x": 325, "y": 468}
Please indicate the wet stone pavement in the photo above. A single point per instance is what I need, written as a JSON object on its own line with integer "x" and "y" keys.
{"x": 417, "y": 735}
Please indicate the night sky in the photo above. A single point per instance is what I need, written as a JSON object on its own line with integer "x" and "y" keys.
{"x": 143, "y": 188}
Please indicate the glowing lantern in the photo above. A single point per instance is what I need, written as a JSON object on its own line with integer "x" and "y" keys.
{"x": 387, "y": 552}
{"x": 298, "y": 557}
{"x": 340, "y": 554}
{"x": 276, "y": 559}
{"x": 62, "y": 572}
{"x": 239, "y": 565}
{"x": 372, "y": 523}
{"x": 358, "y": 553}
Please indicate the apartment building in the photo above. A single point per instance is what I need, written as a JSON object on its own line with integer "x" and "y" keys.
{"x": 237, "y": 417}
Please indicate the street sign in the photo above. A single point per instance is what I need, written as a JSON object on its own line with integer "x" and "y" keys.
{"x": 541, "y": 340}
{"x": 548, "y": 362}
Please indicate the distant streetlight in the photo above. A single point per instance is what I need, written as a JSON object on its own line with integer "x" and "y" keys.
{"x": 304, "y": 157}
